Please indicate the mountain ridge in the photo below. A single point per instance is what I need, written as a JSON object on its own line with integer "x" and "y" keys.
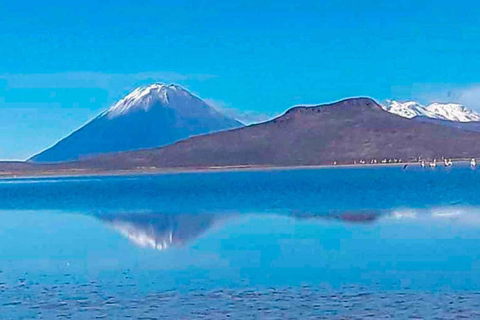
{"x": 355, "y": 130}
{"x": 342, "y": 132}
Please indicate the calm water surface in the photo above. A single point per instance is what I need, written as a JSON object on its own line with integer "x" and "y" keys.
{"x": 325, "y": 243}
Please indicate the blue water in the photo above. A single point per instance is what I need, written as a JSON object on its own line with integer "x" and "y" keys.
{"x": 331, "y": 242}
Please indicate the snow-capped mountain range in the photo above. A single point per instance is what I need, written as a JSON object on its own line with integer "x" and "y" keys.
{"x": 148, "y": 117}
{"x": 440, "y": 111}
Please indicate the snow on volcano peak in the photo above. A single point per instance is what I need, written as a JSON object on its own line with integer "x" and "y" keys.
{"x": 143, "y": 98}
{"x": 441, "y": 111}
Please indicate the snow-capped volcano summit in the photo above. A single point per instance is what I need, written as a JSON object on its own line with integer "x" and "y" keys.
{"x": 440, "y": 111}
{"x": 141, "y": 98}
{"x": 144, "y": 98}
{"x": 148, "y": 117}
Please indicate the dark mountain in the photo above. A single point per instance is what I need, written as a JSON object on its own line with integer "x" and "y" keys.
{"x": 148, "y": 117}
{"x": 470, "y": 126}
{"x": 345, "y": 131}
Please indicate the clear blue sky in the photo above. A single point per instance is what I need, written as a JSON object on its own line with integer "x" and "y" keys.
{"x": 62, "y": 62}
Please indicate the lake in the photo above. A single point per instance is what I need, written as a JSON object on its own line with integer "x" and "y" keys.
{"x": 337, "y": 243}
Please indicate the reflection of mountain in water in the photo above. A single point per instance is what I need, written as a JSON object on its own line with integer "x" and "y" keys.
{"x": 348, "y": 217}
{"x": 160, "y": 231}
{"x": 163, "y": 231}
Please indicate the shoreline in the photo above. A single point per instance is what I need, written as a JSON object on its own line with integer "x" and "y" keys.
{"x": 247, "y": 168}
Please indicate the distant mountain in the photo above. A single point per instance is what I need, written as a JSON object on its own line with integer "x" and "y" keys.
{"x": 148, "y": 117}
{"x": 439, "y": 111}
{"x": 342, "y": 132}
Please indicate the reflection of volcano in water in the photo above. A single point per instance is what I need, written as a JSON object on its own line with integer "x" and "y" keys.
{"x": 163, "y": 231}
{"x": 160, "y": 231}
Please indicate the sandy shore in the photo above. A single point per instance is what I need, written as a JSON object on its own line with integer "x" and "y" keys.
{"x": 149, "y": 171}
